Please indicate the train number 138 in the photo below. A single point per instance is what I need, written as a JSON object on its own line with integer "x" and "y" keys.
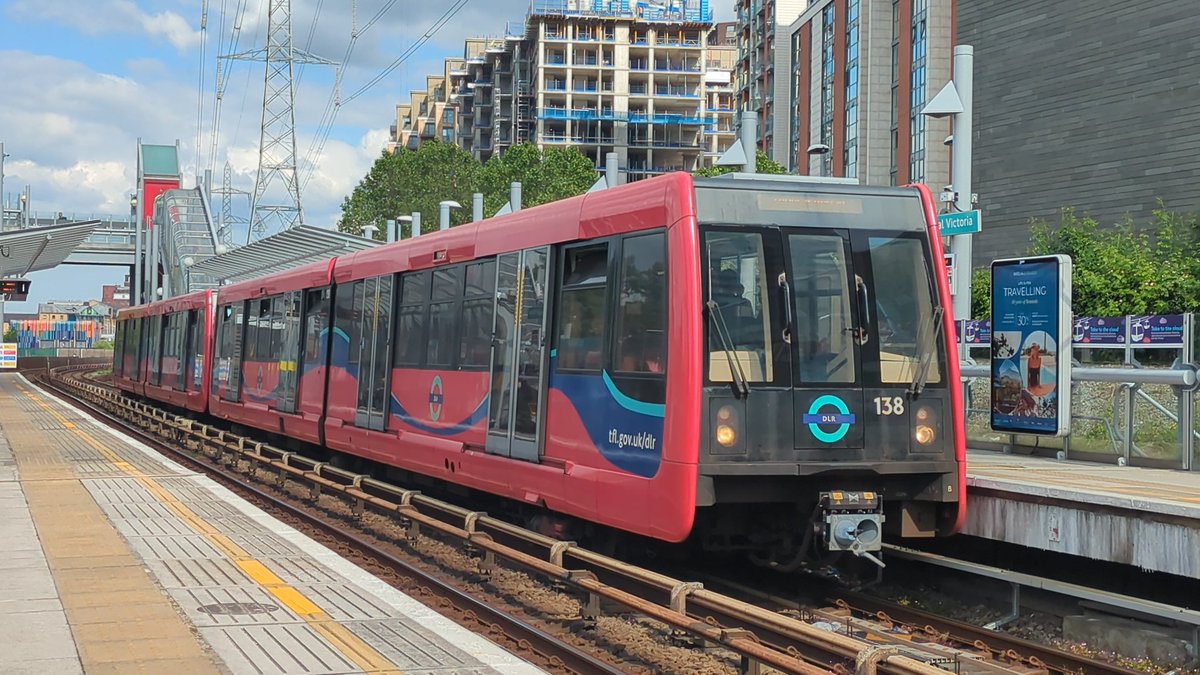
{"x": 889, "y": 405}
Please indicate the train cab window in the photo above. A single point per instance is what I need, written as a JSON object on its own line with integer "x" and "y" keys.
{"x": 582, "y": 309}
{"x": 903, "y": 305}
{"x": 739, "y": 331}
{"x": 410, "y": 329}
{"x": 479, "y": 299}
{"x": 823, "y": 326}
{"x": 642, "y": 305}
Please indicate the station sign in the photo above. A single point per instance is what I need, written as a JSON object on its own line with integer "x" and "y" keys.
{"x": 8, "y": 355}
{"x": 965, "y": 222}
{"x": 1032, "y": 330}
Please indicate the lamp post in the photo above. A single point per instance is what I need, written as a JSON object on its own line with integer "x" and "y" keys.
{"x": 137, "y": 252}
{"x": 445, "y": 207}
{"x": 3, "y": 199}
{"x": 955, "y": 100}
{"x": 400, "y": 228}
{"x": 819, "y": 150}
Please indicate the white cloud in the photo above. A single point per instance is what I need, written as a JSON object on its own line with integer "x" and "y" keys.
{"x": 103, "y": 17}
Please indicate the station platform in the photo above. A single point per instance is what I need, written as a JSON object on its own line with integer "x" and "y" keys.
{"x": 1147, "y": 518}
{"x": 117, "y": 560}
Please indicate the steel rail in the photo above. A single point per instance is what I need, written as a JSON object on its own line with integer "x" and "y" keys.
{"x": 759, "y": 635}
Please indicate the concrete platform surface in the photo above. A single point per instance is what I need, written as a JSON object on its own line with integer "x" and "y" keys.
{"x": 1149, "y": 518}
{"x": 119, "y": 560}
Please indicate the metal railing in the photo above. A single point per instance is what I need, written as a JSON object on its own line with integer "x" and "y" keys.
{"x": 1122, "y": 415}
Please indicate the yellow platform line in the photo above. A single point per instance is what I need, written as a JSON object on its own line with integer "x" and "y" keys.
{"x": 339, "y": 637}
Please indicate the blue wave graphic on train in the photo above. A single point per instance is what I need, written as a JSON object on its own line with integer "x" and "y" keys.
{"x": 627, "y": 432}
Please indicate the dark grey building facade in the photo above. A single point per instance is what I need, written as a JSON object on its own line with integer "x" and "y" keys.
{"x": 1093, "y": 104}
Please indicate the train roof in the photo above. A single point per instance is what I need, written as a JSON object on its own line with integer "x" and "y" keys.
{"x": 310, "y": 275}
{"x": 654, "y": 202}
{"x": 193, "y": 300}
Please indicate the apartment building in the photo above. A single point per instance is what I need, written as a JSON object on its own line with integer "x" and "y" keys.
{"x": 600, "y": 75}
{"x": 860, "y": 73}
{"x": 761, "y": 86}
{"x": 430, "y": 112}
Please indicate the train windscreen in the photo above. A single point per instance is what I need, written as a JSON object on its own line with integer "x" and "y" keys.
{"x": 845, "y": 278}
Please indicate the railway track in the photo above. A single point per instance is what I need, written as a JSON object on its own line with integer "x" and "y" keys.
{"x": 849, "y": 636}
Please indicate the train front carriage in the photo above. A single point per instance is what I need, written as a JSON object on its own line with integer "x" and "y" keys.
{"x": 831, "y": 402}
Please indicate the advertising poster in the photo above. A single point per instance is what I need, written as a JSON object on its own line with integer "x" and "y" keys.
{"x": 1165, "y": 330}
{"x": 8, "y": 355}
{"x": 1099, "y": 330}
{"x": 1031, "y": 345}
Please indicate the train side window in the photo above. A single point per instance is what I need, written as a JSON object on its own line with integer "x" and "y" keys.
{"x": 316, "y": 322}
{"x": 195, "y": 364}
{"x": 582, "y": 313}
{"x": 345, "y": 319}
{"x": 642, "y": 306}
{"x": 410, "y": 328}
{"x": 119, "y": 350}
{"x": 444, "y": 311}
{"x": 479, "y": 302}
{"x": 824, "y": 328}
{"x": 737, "y": 282}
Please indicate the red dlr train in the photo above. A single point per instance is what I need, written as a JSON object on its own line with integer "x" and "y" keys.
{"x": 757, "y": 364}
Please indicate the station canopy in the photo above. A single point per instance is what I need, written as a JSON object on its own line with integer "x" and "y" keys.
{"x": 41, "y": 248}
{"x": 291, "y": 248}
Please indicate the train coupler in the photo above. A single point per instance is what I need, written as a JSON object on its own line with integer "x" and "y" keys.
{"x": 853, "y": 522}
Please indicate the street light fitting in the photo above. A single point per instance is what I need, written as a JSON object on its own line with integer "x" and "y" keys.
{"x": 819, "y": 149}
{"x": 949, "y": 141}
{"x": 450, "y": 203}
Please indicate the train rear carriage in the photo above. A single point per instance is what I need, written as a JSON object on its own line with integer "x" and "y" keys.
{"x": 269, "y": 364}
{"x": 163, "y": 349}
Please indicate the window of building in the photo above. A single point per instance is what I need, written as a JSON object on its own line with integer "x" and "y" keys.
{"x": 895, "y": 87}
{"x": 916, "y": 168}
{"x": 850, "y": 157}
{"x": 827, "y": 71}
{"x": 448, "y": 116}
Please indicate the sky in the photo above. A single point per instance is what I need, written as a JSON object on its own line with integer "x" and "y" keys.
{"x": 82, "y": 80}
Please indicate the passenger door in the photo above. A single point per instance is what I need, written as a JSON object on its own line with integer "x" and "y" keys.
{"x": 827, "y": 336}
{"x": 515, "y": 422}
{"x": 374, "y": 355}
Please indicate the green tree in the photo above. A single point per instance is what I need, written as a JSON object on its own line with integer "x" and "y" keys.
{"x": 410, "y": 181}
{"x": 981, "y": 294}
{"x": 545, "y": 175}
{"x": 10, "y": 335}
{"x": 762, "y": 164}
{"x": 1123, "y": 270}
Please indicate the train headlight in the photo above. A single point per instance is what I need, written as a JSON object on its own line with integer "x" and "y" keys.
{"x": 924, "y": 434}
{"x": 726, "y": 432}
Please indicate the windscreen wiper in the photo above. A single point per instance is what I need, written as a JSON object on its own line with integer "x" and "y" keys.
{"x": 927, "y": 343}
{"x": 735, "y": 368}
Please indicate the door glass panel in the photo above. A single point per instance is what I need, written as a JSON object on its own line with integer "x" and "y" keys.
{"x": 823, "y": 327}
{"x": 503, "y": 340}
{"x": 364, "y": 303}
{"x": 737, "y": 282}
{"x": 903, "y": 308}
{"x": 532, "y": 305}
{"x": 380, "y": 358}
